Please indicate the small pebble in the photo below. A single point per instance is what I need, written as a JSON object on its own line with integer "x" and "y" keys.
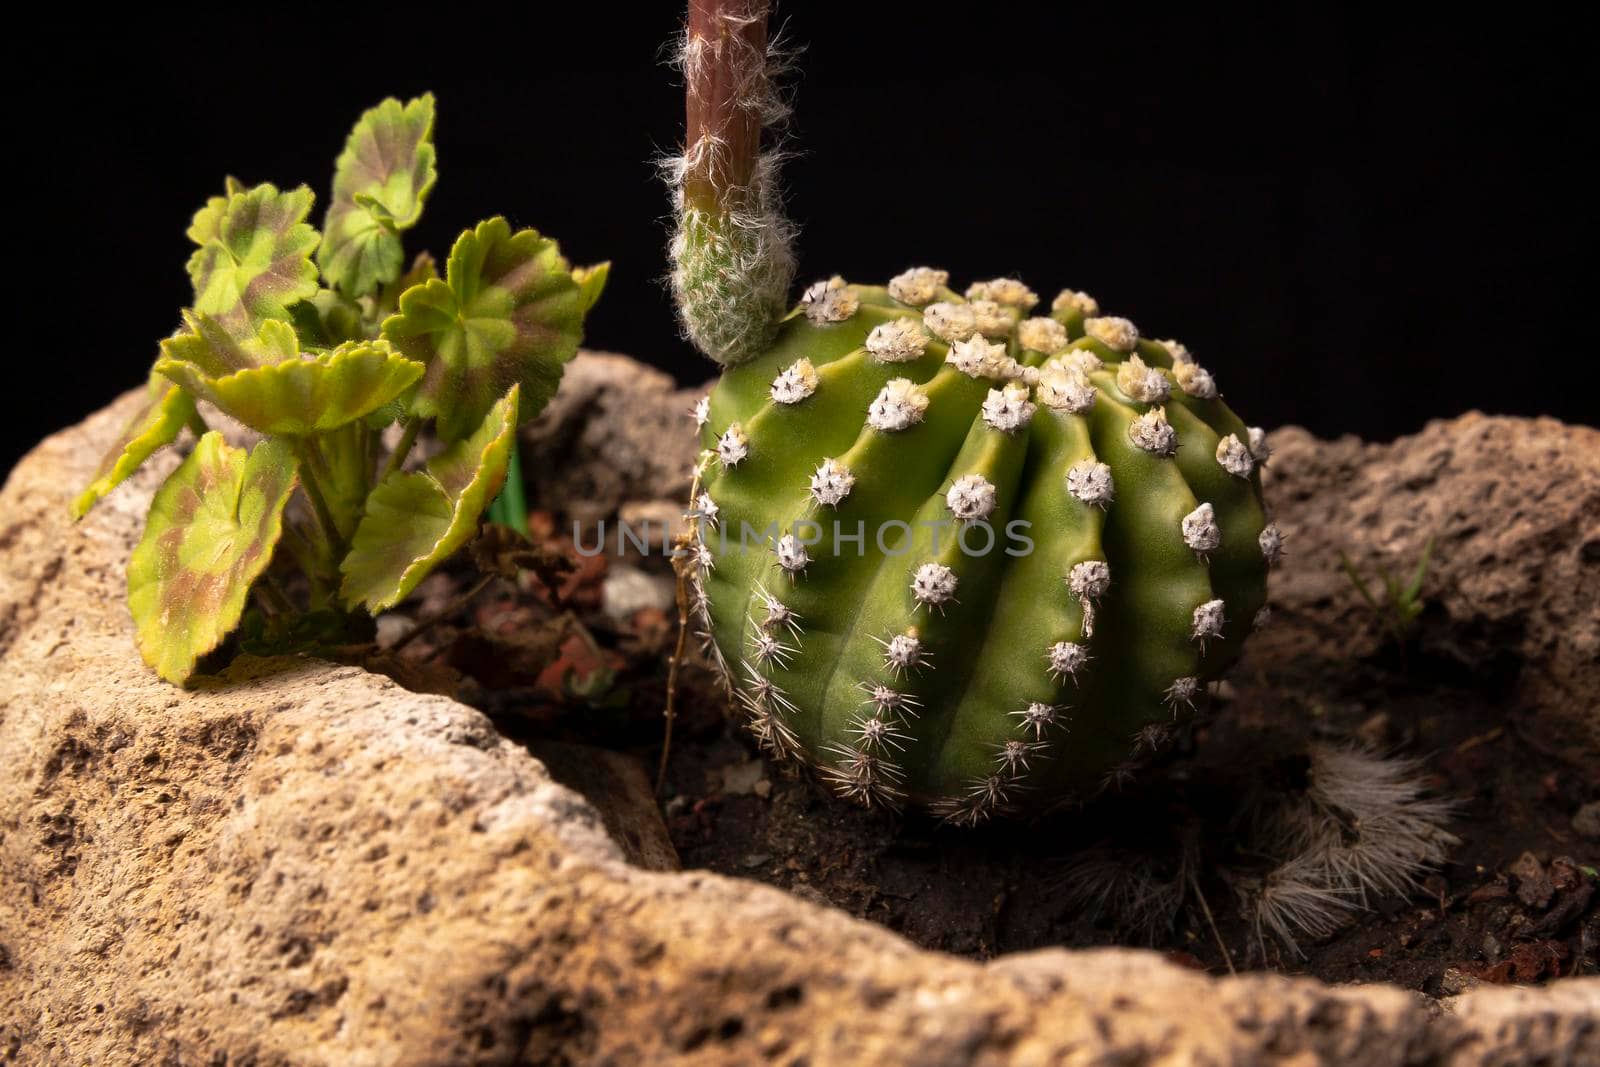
{"x": 392, "y": 626}
{"x": 1587, "y": 820}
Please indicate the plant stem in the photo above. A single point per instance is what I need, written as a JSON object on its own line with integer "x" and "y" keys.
{"x": 273, "y": 596}
{"x": 439, "y": 616}
{"x": 510, "y": 508}
{"x": 408, "y": 438}
{"x": 725, "y": 81}
{"x": 319, "y": 503}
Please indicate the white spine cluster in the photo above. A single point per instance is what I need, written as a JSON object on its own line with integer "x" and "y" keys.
{"x": 798, "y": 381}
{"x": 1152, "y": 737}
{"x": 1008, "y": 408}
{"x": 864, "y": 777}
{"x": 1064, "y": 388}
{"x": 1116, "y": 333}
{"x": 971, "y": 498}
{"x": 1177, "y": 350}
{"x": 733, "y": 446}
{"x": 792, "y": 555}
{"x": 1013, "y": 756}
{"x": 903, "y": 653}
{"x": 1069, "y": 300}
{"x": 1038, "y": 717}
{"x": 1066, "y": 659}
{"x": 1200, "y": 531}
{"x": 1235, "y": 457}
{"x": 897, "y": 341}
{"x": 934, "y": 585}
{"x": 1195, "y": 380}
{"x": 950, "y": 321}
{"x": 1090, "y": 482}
{"x": 899, "y": 404}
{"x": 1089, "y": 580}
{"x": 1042, "y": 335}
{"x": 706, "y": 510}
{"x": 1207, "y": 622}
{"x": 1258, "y": 445}
{"x": 1142, "y": 383}
{"x": 829, "y": 301}
{"x": 876, "y": 734}
{"x": 778, "y": 614}
{"x": 1005, "y": 291}
{"x": 918, "y": 285}
{"x": 701, "y": 412}
{"x": 977, "y": 357}
{"x": 1153, "y": 433}
{"x": 1181, "y": 693}
{"x": 767, "y": 705}
{"x": 885, "y": 700}
{"x": 768, "y": 649}
{"x": 1271, "y": 542}
{"x": 831, "y": 483}
{"x": 1082, "y": 360}
{"x": 991, "y": 318}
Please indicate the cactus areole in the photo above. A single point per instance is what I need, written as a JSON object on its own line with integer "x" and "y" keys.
{"x": 960, "y": 550}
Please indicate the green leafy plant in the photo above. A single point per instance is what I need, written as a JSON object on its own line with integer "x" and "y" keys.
{"x": 324, "y": 344}
{"x": 1400, "y": 604}
{"x": 870, "y": 457}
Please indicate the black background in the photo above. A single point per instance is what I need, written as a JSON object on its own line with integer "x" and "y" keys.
{"x": 1357, "y": 223}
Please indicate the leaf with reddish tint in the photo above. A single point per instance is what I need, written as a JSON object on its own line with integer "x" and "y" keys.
{"x": 157, "y": 423}
{"x": 212, "y": 529}
{"x": 265, "y": 383}
{"x": 379, "y": 184}
{"x": 207, "y": 222}
{"x": 508, "y": 312}
{"x": 415, "y": 520}
{"x": 255, "y": 261}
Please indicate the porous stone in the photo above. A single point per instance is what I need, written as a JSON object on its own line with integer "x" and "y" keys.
{"x": 616, "y": 431}
{"x": 1513, "y": 589}
{"x": 302, "y": 863}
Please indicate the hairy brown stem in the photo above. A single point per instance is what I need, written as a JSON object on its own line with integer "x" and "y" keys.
{"x": 725, "y": 85}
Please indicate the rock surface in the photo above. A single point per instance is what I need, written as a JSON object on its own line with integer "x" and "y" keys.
{"x": 304, "y": 864}
{"x": 1513, "y": 589}
{"x": 618, "y": 432}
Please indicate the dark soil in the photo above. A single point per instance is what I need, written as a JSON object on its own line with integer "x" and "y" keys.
{"x": 1519, "y": 900}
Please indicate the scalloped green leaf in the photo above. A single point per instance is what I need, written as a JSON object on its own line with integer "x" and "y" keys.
{"x": 415, "y": 520}
{"x": 508, "y": 312}
{"x": 267, "y": 384}
{"x": 255, "y": 260}
{"x": 163, "y": 415}
{"x": 423, "y": 269}
{"x": 327, "y": 319}
{"x": 591, "y": 282}
{"x": 207, "y": 222}
{"x": 212, "y": 529}
{"x": 380, "y": 182}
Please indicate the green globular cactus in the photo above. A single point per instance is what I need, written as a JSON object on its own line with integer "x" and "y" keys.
{"x": 960, "y": 556}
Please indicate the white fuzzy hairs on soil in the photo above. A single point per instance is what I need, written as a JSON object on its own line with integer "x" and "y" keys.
{"x": 1140, "y": 893}
{"x": 1364, "y": 826}
{"x": 1305, "y": 863}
